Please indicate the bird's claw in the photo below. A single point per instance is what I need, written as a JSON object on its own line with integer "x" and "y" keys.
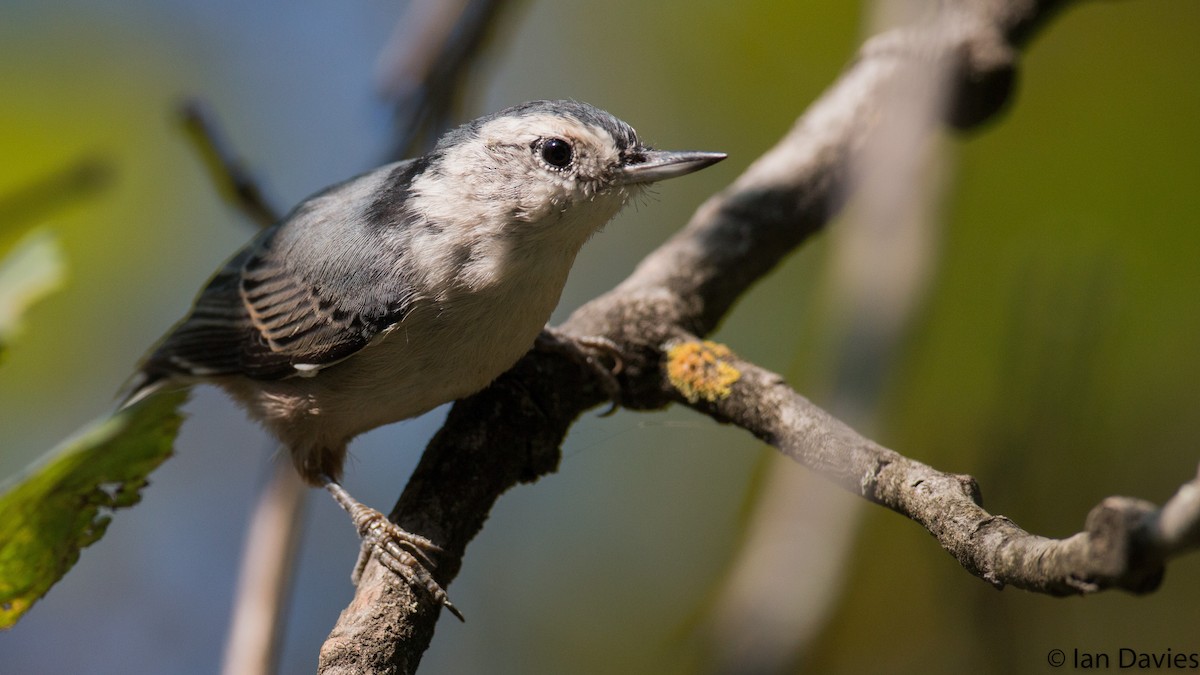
{"x": 406, "y": 554}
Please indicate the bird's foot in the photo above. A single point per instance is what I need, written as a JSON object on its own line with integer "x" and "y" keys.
{"x": 589, "y": 350}
{"x": 404, "y": 553}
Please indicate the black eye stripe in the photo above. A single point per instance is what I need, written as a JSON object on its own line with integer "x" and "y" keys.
{"x": 556, "y": 152}
{"x": 631, "y": 157}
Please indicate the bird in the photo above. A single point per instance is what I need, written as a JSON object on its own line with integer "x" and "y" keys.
{"x": 407, "y": 287}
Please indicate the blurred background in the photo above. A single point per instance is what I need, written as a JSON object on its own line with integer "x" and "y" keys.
{"x": 1050, "y": 349}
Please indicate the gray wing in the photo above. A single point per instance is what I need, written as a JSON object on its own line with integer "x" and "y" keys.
{"x": 304, "y": 294}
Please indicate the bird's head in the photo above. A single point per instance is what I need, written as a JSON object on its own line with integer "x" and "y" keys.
{"x": 557, "y": 164}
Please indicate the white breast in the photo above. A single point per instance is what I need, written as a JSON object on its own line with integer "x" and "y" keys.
{"x": 443, "y": 350}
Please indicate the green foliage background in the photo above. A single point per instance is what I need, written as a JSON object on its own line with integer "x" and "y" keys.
{"x": 1055, "y": 358}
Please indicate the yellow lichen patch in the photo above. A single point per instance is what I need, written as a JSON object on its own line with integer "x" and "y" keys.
{"x": 700, "y": 370}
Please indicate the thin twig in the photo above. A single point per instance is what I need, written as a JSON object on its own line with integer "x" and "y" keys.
{"x": 423, "y": 66}
{"x": 227, "y": 172}
{"x": 264, "y": 579}
{"x": 30, "y": 203}
{"x": 1124, "y": 544}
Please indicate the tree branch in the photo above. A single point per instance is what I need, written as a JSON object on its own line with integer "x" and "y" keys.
{"x": 233, "y": 180}
{"x": 510, "y": 433}
{"x": 1124, "y": 543}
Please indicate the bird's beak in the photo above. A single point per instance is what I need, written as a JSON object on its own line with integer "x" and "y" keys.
{"x": 648, "y": 166}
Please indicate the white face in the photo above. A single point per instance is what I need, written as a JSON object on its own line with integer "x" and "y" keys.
{"x": 527, "y": 189}
{"x": 561, "y": 159}
{"x": 536, "y": 168}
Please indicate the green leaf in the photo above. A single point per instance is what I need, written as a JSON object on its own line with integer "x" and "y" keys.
{"x": 65, "y": 501}
{"x": 31, "y": 270}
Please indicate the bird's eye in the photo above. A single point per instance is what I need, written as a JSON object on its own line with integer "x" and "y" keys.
{"x": 557, "y": 152}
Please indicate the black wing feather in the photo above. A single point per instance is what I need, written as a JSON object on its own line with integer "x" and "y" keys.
{"x": 260, "y": 318}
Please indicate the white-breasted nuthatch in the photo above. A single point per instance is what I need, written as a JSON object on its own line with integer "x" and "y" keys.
{"x": 407, "y": 287}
